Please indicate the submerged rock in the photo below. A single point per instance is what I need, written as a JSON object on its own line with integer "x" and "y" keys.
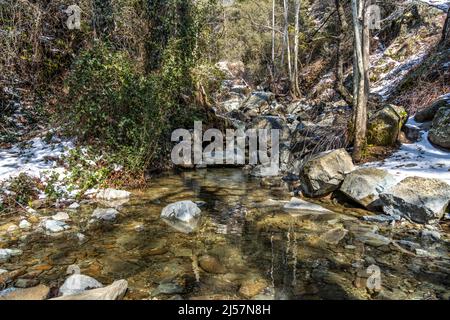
{"x": 251, "y": 287}
{"x": 112, "y": 194}
{"x": 211, "y": 264}
{"x": 365, "y": 185}
{"x": 373, "y": 239}
{"x": 115, "y": 291}
{"x": 421, "y": 200}
{"x": 183, "y": 216}
{"x": 36, "y": 293}
{"x": 55, "y": 226}
{"x": 78, "y": 283}
{"x": 334, "y": 236}
{"x": 61, "y": 216}
{"x": 24, "y": 225}
{"x": 5, "y": 254}
{"x": 105, "y": 214}
{"x": 302, "y": 205}
{"x": 324, "y": 172}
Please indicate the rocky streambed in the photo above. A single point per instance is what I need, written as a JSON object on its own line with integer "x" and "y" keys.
{"x": 251, "y": 241}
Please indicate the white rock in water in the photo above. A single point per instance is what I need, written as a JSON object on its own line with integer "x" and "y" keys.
{"x": 299, "y": 204}
{"x": 55, "y": 226}
{"x": 105, "y": 214}
{"x": 182, "y": 215}
{"x": 81, "y": 237}
{"x": 114, "y": 291}
{"x": 74, "y": 206}
{"x": 78, "y": 283}
{"x": 5, "y": 254}
{"x": 61, "y": 216}
{"x": 24, "y": 224}
{"x": 112, "y": 194}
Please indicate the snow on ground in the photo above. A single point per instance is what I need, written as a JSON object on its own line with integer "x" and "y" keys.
{"x": 34, "y": 157}
{"x": 420, "y": 159}
{"x": 440, "y": 4}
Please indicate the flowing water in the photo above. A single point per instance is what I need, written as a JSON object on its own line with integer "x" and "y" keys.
{"x": 250, "y": 246}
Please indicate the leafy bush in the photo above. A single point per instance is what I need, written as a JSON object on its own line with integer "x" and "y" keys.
{"x": 21, "y": 191}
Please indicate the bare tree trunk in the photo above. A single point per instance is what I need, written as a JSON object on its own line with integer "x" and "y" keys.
{"x": 273, "y": 36}
{"x": 360, "y": 75}
{"x": 445, "y": 41}
{"x": 286, "y": 37}
{"x": 294, "y": 80}
{"x": 342, "y": 32}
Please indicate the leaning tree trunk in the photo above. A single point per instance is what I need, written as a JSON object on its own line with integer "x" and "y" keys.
{"x": 360, "y": 75}
{"x": 342, "y": 32}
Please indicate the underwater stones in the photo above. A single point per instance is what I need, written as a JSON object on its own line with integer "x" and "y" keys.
{"x": 112, "y": 194}
{"x": 385, "y": 125}
{"x": 54, "y": 226}
{"x": 211, "y": 264}
{"x": 6, "y": 254}
{"x": 74, "y": 206}
{"x": 334, "y": 236}
{"x": 373, "y": 239}
{"x": 61, "y": 216}
{"x": 39, "y": 292}
{"x": 365, "y": 185}
{"x": 105, "y": 214}
{"x": 115, "y": 291}
{"x": 252, "y": 287}
{"x": 24, "y": 225}
{"x": 421, "y": 200}
{"x": 324, "y": 173}
{"x": 78, "y": 283}
{"x": 297, "y": 204}
{"x": 182, "y": 216}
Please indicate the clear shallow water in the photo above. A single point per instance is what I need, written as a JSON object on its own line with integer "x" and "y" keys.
{"x": 260, "y": 250}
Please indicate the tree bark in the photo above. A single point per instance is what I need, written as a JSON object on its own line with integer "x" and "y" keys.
{"x": 342, "y": 32}
{"x": 294, "y": 80}
{"x": 445, "y": 41}
{"x": 360, "y": 75}
{"x": 287, "y": 42}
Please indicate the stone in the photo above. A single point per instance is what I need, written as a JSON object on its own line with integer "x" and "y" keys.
{"x": 430, "y": 234}
{"x": 440, "y": 131}
{"x": 12, "y": 228}
{"x": 24, "y": 225}
{"x": 55, "y": 226}
{"x": 211, "y": 264}
{"x": 115, "y": 291}
{"x": 302, "y": 205}
{"x": 39, "y": 292}
{"x": 78, "y": 283}
{"x": 26, "y": 283}
{"x": 112, "y": 194}
{"x": 6, "y": 254}
{"x": 74, "y": 206}
{"x": 385, "y": 125}
{"x": 365, "y": 185}
{"x": 430, "y": 112}
{"x": 105, "y": 214}
{"x": 61, "y": 216}
{"x": 324, "y": 173}
{"x": 182, "y": 216}
{"x": 381, "y": 218}
{"x": 257, "y": 102}
{"x": 421, "y": 200}
{"x": 373, "y": 239}
{"x": 251, "y": 287}
{"x": 334, "y": 236}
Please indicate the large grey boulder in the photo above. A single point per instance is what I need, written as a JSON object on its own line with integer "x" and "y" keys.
{"x": 183, "y": 216}
{"x": 324, "y": 173}
{"x": 429, "y": 113}
{"x": 421, "y": 200}
{"x": 78, "y": 283}
{"x": 365, "y": 185}
{"x": 440, "y": 131}
{"x": 385, "y": 125}
{"x": 257, "y": 103}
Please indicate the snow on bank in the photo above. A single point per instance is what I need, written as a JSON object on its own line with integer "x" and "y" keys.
{"x": 35, "y": 157}
{"x": 440, "y": 4}
{"x": 420, "y": 159}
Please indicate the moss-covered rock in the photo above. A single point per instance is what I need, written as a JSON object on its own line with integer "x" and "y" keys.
{"x": 385, "y": 125}
{"x": 429, "y": 113}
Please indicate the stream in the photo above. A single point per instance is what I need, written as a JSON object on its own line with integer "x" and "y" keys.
{"x": 250, "y": 247}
